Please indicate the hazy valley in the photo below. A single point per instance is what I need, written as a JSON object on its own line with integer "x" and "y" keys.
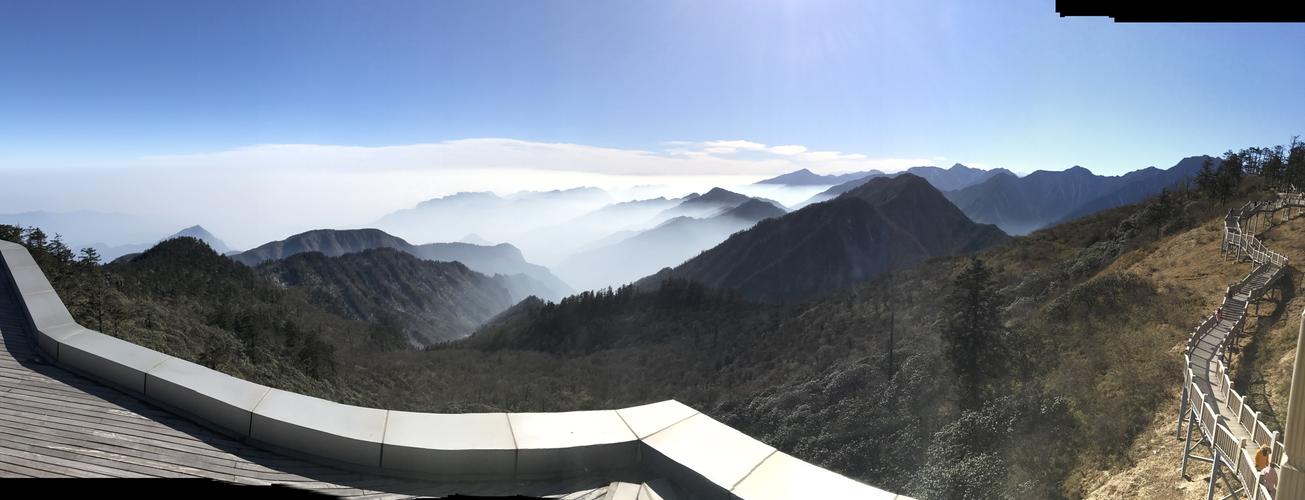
{"x": 822, "y": 329}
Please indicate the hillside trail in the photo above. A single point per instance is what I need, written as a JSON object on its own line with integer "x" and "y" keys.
{"x": 1192, "y": 261}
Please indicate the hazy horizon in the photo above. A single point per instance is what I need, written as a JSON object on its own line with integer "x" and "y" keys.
{"x": 253, "y": 204}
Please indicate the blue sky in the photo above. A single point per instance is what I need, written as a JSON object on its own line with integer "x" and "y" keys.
{"x": 1006, "y": 84}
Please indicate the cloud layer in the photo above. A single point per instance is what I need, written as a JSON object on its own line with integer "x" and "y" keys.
{"x": 254, "y": 194}
{"x": 720, "y": 157}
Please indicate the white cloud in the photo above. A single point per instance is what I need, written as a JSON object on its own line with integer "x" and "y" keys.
{"x": 790, "y": 149}
{"x": 722, "y": 157}
{"x": 822, "y": 156}
{"x": 731, "y": 147}
{"x": 790, "y": 157}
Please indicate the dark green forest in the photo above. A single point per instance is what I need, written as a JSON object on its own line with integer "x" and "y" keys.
{"x": 985, "y": 376}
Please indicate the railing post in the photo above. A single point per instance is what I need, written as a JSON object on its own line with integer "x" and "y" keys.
{"x": 1292, "y": 474}
{"x": 1214, "y": 471}
{"x": 1187, "y": 445}
{"x": 1273, "y": 444}
{"x": 1182, "y": 405}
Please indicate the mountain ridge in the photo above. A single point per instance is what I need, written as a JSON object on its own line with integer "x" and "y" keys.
{"x": 956, "y": 177}
{"x": 502, "y": 258}
{"x": 886, "y": 223}
{"x": 671, "y": 240}
{"x": 1020, "y": 205}
{"x": 432, "y": 301}
{"x": 805, "y": 177}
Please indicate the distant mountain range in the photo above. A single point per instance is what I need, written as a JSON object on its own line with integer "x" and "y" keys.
{"x": 330, "y": 242}
{"x": 490, "y": 216}
{"x": 99, "y": 230}
{"x": 556, "y": 241}
{"x": 502, "y": 259}
{"x": 886, "y": 223}
{"x": 632, "y": 255}
{"x": 591, "y": 242}
{"x": 713, "y": 203}
{"x": 430, "y": 301}
{"x": 957, "y": 177}
{"x": 109, "y": 254}
{"x": 1020, "y": 205}
{"x": 806, "y": 177}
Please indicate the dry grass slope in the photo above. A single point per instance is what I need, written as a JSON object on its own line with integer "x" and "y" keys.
{"x": 1191, "y": 262}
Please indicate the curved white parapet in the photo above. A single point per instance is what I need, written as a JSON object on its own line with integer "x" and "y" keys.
{"x": 706, "y": 453}
{"x": 782, "y": 476}
{"x": 652, "y": 418}
{"x": 113, "y": 360}
{"x": 703, "y": 456}
{"x": 462, "y": 445}
{"x": 552, "y": 444}
{"x": 340, "y": 432}
{"x": 219, "y": 399}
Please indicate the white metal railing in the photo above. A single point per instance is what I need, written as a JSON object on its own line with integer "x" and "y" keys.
{"x": 1241, "y": 229}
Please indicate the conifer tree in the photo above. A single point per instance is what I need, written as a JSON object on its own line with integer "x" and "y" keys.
{"x": 972, "y": 332}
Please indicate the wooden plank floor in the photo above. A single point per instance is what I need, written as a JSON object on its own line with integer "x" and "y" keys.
{"x": 57, "y": 424}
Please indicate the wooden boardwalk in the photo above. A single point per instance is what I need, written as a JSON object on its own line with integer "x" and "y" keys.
{"x": 1205, "y": 352}
{"x": 56, "y": 424}
{"x": 1226, "y": 423}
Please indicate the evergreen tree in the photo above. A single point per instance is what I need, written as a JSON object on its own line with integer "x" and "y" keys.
{"x": 1205, "y": 179}
{"x": 93, "y": 286}
{"x": 1230, "y": 171}
{"x": 11, "y": 233}
{"x": 1294, "y": 164}
{"x": 973, "y": 332}
{"x": 89, "y": 257}
{"x": 1221, "y": 183}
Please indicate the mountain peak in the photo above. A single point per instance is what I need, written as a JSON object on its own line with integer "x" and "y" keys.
{"x": 330, "y": 242}
{"x": 880, "y": 189}
{"x": 582, "y": 192}
{"x": 805, "y": 177}
{"x": 461, "y": 196}
{"x": 719, "y": 192}
{"x": 886, "y": 223}
{"x": 198, "y": 232}
{"x": 796, "y": 177}
{"x": 755, "y": 210}
{"x": 719, "y": 195}
{"x": 474, "y": 239}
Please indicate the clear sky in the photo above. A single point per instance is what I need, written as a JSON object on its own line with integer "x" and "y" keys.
{"x": 646, "y": 87}
{"x": 995, "y": 83}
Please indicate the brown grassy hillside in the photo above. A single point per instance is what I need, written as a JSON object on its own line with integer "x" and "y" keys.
{"x": 1191, "y": 262}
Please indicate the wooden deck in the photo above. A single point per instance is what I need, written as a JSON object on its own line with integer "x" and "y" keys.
{"x": 56, "y": 424}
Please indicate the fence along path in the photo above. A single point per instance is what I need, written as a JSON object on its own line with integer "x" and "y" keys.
{"x": 1209, "y": 403}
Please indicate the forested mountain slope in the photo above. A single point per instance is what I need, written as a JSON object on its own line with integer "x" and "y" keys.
{"x": 430, "y": 301}
{"x": 887, "y": 223}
